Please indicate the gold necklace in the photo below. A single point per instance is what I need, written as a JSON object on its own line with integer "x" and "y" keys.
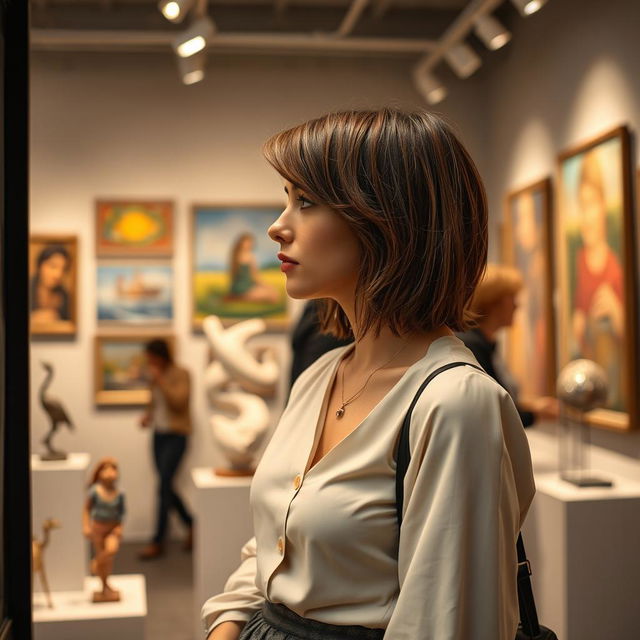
{"x": 357, "y": 394}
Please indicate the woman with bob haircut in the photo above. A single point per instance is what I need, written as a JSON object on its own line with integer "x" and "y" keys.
{"x": 386, "y": 222}
{"x": 494, "y": 302}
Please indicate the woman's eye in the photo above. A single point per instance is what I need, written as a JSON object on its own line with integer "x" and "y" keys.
{"x": 305, "y": 203}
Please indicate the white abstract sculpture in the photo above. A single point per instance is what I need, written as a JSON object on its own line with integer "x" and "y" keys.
{"x": 240, "y": 433}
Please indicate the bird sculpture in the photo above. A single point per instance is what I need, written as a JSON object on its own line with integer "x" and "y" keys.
{"x": 37, "y": 553}
{"x": 57, "y": 416}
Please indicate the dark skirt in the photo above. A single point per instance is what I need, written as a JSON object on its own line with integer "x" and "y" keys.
{"x": 276, "y": 622}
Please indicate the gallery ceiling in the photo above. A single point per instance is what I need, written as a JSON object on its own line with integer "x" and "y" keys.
{"x": 428, "y": 31}
{"x": 134, "y": 24}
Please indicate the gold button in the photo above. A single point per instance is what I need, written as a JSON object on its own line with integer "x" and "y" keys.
{"x": 280, "y": 545}
{"x": 297, "y": 482}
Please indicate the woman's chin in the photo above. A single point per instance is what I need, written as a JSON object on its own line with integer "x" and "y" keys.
{"x": 298, "y": 292}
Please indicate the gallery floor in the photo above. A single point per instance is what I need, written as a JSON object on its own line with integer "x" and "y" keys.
{"x": 169, "y": 590}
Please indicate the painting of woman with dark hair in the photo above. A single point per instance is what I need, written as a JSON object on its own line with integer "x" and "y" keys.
{"x": 244, "y": 274}
{"x": 52, "y": 285}
{"x": 235, "y": 274}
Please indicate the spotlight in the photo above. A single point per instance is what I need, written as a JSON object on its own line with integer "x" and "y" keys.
{"x": 491, "y": 32}
{"x": 527, "y": 7}
{"x": 462, "y": 59}
{"x": 429, "y": 87}
{"x": 195, "y": 38}
{"x": 175, "y": 10}
{"x": 192, "y": 68}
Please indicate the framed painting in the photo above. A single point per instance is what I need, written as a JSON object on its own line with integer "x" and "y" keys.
{"x": 134, "y": 293}
{"x": 134, "y": 228}
{"x": 526, "y": 245}
{"x": 53, "y": 279}
{"x": 596, "y": 269}
{"x": 120, "y": 369}
{"x": 235, "y": 272}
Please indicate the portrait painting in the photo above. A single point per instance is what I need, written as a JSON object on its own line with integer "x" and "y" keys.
{"x": 134, "y": 228}
{"x": 526, "y": 245}
{"x": 134, "y": 293}
{"x": 121, "y": 376}
{"x": 236, "y": 274}
{"x": 53, "y": 277}
{"x": 595, "y": 269}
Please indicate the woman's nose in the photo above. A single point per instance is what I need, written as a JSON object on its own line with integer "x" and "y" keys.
{"x": 280, "y": 232}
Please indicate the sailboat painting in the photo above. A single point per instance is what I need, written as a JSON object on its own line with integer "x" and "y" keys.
{"x": 134, "y": 294}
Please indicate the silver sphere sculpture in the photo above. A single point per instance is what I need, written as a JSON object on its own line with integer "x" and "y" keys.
{"x": 582, "y": 384}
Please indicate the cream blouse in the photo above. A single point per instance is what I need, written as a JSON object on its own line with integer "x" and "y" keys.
{"x": 326, "y": 539}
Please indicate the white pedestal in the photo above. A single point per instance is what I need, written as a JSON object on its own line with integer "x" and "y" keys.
{"x": 75, "y": 617}
{"x": 59, "y": 491}
{"x": 223, "y": 525}
{"x": 583, "y": 548}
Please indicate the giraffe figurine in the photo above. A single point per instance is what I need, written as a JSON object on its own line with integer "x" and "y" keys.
{"x": 37, "y": 551}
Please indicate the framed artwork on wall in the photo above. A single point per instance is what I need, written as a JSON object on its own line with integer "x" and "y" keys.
{"x": 527, "y": 246}
{"x": 53, "y": 281}
{"x": 120, "y": 370}
{"x": 235, "y": 272}
{"x": 595, "y": 270}
{"x": 134, "y": 293}
{"x": 134, "y": 228}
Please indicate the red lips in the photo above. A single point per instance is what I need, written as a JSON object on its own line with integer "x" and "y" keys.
{"x": 284, "y": 258}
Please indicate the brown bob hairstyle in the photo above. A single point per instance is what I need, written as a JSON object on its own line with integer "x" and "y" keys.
{"x": 415, "y": 201}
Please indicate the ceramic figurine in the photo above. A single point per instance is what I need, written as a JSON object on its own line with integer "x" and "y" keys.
{"x": 57, "y": 415}
{"x": 37, "y": 554}
{"x": 102, "y": 523}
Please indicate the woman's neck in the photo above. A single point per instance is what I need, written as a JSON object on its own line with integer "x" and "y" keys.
{"x": 371, "y": 350}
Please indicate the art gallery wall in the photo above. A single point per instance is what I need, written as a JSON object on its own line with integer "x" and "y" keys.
{"x": 122, "y": 125}
{"x": 569, "y": 73}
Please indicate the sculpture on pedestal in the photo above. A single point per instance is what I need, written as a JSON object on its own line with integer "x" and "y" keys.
{"x": 57, "y": 416}
{"x": 235, "y": 382}
{"x": 37, "y": 556}
{"x": 582, "y": 386}
{"x": 102, "y": 523}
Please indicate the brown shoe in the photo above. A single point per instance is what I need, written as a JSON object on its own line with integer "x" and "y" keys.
{"x": 151, "y": 551}
{"x": 187, "y": 545}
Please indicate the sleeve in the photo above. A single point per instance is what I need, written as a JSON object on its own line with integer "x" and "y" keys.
{"x": 467, "y": 488}
{"x": 240, "y": 598}
{"x": 176, "y": 390}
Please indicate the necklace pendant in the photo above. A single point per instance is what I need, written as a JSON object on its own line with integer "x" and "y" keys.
{"x": 340, "y": 412}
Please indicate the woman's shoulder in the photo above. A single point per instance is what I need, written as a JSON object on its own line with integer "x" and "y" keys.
{"x": 463, "y": 399}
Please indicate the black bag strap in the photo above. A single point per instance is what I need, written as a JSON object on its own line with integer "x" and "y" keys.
{"x": 404, "y": 450}
{"x": 526, "y": 602}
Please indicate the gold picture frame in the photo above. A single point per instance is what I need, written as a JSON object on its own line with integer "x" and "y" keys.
{"x": 527, "y": 246}
{"x": 258, "y": 288}
{"x": 595, "y": 269}
{"x": 134, "y": 228}
{"x": 53, "y": 285}
{"x": 119, "y": 369}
